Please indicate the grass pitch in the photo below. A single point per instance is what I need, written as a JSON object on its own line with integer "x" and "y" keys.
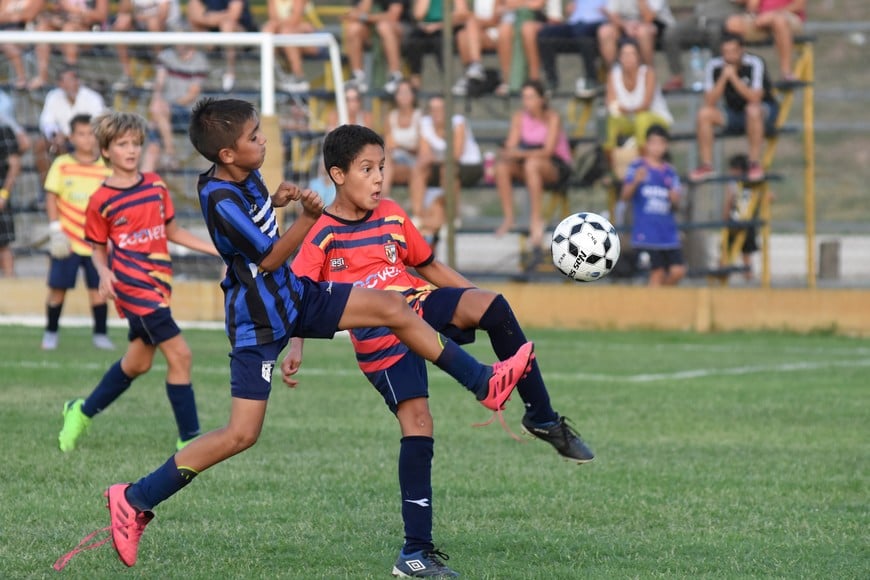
{"x": 724, "y": 455}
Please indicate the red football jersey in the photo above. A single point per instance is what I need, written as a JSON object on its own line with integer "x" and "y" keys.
{"x": 373, "y": 252}
{"x": 134, "y": 221}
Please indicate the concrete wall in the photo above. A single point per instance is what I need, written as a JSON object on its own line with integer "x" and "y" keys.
{"x": 568, "y": 306}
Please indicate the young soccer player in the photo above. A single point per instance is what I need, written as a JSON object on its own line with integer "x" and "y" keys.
{"x": 653, "y": 186}
{"x": 369, "y": 241}
{"x": 134, "y": 212}
{"x": 70, "y": 182}
{"x": 266, "y": 305}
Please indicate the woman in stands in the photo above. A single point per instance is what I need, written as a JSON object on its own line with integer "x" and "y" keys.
{"x": 402, "y": 136}
{"x": 535, "y": 153}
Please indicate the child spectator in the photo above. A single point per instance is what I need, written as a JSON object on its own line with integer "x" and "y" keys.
{"x": 267, "y": 305}
{"x": 439, "y": 295}
{"x": 181, "y": 72}
{"x": 653, "y": 187}
{"x": 536, "y": 153}
{"x": 391, "y": 23}
{"x": 402, "y": 138}
{"x": 634, "y": 99}
{"x": 18, "y": 15}
{"x": 71, "y": 181}
{"x": 736, "y": 208}
{"x": 642, "y": 20}
{"x": 740, "y": 78}
{"x": 13, "y": 143}
{"x": 143, "y": 16}
{"x": 133, "y": 212}
{"x": 288, "y": 17}
{"x": 780, "y": 19}
{"x": 66, "y": 16}
{"x": 222, "y": 16}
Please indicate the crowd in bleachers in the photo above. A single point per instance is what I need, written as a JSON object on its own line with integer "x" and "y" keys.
{"x": 614, "y": 39}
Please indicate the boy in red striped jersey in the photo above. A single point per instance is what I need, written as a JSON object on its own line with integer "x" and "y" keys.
{"x": 134, "y": 212}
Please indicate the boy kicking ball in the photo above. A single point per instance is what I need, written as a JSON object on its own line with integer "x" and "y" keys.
{"x": 266, "y": 305}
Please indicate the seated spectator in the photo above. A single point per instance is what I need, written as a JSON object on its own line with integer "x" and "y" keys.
{"x": 581, "y": 29}
{"x": 495, "y": 20}
{"x": 653, "y": 188}
{"x": 402, "y": 137}
{"x": 642, "y": 20}
{"x": 781, "y": 19}
{"x": 18, "y": 15}
{"x": 544, "y": 12}
{"x": 391, "y": 23}
{"x": 702, "y": 29}
{"x": 222, "y": 16}
{"x": 288, "y": 17}
{"x": 357, "y": 114}
{"x": 740, "y": 78}
{"x": 142, "y": 16}
{"x": 425, "y": 37}
{"x": 13, "y": 144}
{"x": 427, "y": 178}
{"x": 66, "y": 16}
{"x": 634, "y": 99}
{"x": 735, "y": 207}
{"x": 181, "y": 72}
{"x": 69, "y": 99}
{"x": 537, "y": 154}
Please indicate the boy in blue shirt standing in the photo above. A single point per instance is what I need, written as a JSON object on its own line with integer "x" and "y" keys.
{"x": 653, "y": 187}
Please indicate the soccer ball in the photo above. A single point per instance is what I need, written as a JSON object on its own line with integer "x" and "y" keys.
{"x": 585, "y": 247}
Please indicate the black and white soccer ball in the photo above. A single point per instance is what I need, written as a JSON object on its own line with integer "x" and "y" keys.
{"x": 585, "y": 247}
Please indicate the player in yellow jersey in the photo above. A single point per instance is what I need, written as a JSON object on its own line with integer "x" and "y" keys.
{"x": 72, "y": 179}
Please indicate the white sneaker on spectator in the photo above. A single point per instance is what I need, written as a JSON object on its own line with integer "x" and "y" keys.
{"x": 475, "y": 71}
{"x": 49, "y": 340}
{"x": 358, "y": 81}
{"x": 393, "y": 84}
{"x": 228, "y": 81}
{"x": 122, "y": 84}
{"x": 103, "y": 342}
{"x": 586, "y": 89}
{"x": 460, "y": 88}
{"x": 293, "y": 84}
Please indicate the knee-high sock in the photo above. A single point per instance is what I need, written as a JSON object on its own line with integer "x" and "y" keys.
{"x": 52, "y": 315}
{"x": 159, "y": 485}
{"x": 463, "y": 367}
{"x": 111, "y": 386}
{"x": 101, "y": 314}
{"x": 415, "y": 482}
{"x": 184, "y": 407}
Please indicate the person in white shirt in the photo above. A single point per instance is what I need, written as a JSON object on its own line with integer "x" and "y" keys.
{"x": 69, "y": 99}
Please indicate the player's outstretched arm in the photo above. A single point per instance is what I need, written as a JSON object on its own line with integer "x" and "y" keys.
{"x": 286, "y": 193}
{"x": 292, "y": 361}
{"x": 312, "y": 207}
{"x": 443, "y": 276}
{"x": 100, "y": 259}
{"x": 182, "y": 237}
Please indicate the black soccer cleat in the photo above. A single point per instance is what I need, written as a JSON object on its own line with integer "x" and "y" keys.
{"x": 562, "y": 437}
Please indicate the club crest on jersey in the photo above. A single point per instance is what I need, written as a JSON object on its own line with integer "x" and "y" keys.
{"x": 266, "y": 370}
{"x": 337, "y": 265}
{"x": 391, "y": 252}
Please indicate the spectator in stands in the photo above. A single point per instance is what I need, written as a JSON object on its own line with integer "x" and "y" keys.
{"x": 634, "y": 99}
{"x": 642, "y": 20}
{"x": 13, "y": 144}
{"x": 18, "y": 15}
{"x": 391, "y": 23}
{"x": 740, "y": 78}
{"x": 425, "y": 187}
{"x": 142, "y": 16}
{"x": 222, "y": 16}
{"x": 581, "y": 31}
{"x": 544, "y": 12}
{"x": 66, "y": 16}
{"x": 653, "y": 187}
{"x": 702, "y": 29}
{"x": 69, "y": 99}
{"x": 495, "y": 20}
{"x": 288, "y": 17}
{"x": 357, "y": 114}
{"x": 181, "y": 72}
{"x": 402, "y": 137}
{"x": 781, "y": 19}
{"x": 537, "y": 154}
{"x": 425, "y": 37}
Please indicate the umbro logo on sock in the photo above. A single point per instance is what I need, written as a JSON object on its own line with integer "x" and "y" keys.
{"x": 420, "y": 502}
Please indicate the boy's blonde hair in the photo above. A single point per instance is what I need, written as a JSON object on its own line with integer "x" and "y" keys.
{"x": 109, "y": 126}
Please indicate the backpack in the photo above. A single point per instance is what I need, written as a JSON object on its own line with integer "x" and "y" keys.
{"x": 590, "y": 166}
{"x": 487, "y": 86}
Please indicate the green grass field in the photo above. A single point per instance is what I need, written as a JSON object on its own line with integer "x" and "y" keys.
{"x": 725, "y": 455}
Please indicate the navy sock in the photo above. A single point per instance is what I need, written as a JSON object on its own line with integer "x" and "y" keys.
{"x": 159, "y": 485}
{"x": 101, "y": 313}
{"x": 463, "y": 367}
{"x": 506, "y": 337}
{"x": 52, "y": 314}
{"x": 184, "y": 407}
{"x": 415, "y": 483}
{"x": 111, "y": 386}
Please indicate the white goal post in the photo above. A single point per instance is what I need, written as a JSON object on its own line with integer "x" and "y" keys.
{"x": 266, "y": 43}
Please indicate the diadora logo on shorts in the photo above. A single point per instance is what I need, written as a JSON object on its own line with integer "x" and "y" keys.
{"x": 390, "y": 251}
{"x": 337, "y": 264}
{"x": 266, "y": 370}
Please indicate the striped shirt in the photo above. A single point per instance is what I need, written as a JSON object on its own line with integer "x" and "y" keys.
{"x": 261, "y": 307}
{"x": 73, "y": 183}
{"x": 372, "y": 252}
{"x": 134, "y": 221}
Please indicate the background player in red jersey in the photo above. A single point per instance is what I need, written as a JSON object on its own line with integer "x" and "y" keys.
{"x": 370, "y": 242}
{"x": 134, "y": 212}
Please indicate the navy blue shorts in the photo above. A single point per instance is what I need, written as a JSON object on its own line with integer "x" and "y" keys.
{"x": 438, "y": 310}
{"x": 153, "y": 328}
{"x": 62, "y": 272}
{"x": 665, "y": 258}
{"x": 735, "y": 121}
{"x": 251, "y": 369}
{"x": 321, "y": 308}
